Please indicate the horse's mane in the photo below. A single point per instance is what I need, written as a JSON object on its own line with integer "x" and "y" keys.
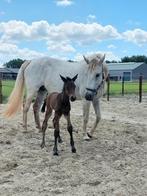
{"x": 94, "y": 61}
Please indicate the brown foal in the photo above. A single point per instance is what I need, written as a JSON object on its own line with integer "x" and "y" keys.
{"x": 60, "y": 103}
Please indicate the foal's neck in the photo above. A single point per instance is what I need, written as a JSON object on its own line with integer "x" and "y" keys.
{"x": 65, "y": 97}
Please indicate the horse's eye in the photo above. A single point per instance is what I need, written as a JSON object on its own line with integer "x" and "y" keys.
{"x": 97, "y": 75}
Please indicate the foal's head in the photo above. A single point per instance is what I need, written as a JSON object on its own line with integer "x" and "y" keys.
{"x": 69, "y": 87}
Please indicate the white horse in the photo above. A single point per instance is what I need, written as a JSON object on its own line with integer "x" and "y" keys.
{"x": 43, "y": 73}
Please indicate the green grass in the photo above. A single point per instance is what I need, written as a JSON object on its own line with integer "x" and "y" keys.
{"x": 129, "y": 87}
{"x": 115, "y": 88}
{"x": 7, "y": 87}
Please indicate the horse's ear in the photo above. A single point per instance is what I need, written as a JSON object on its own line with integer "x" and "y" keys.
{"x": 63, "y": 79}
{"x": 102, "y": 59}
{"x": 87, "y": 61}
{"x": 75, "y": 77}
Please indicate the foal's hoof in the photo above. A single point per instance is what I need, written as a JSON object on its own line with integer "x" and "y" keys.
{"x": 42, "y": 145}
{"x": 73, "y": 150}
{"x": 55, "y": 154}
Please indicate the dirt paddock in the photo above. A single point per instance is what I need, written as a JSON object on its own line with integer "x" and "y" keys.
{"x": 113, "y": 163}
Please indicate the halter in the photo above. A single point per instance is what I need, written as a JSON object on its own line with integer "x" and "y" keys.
{"x": 99, "y": 86}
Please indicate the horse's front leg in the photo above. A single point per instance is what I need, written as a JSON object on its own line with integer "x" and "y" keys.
{"x": 96, "y": 107}
{"x": 70, "y": 131}
{"x": 86, "y": 107}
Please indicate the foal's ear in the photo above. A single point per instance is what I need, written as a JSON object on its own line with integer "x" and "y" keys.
{"x": 75, "y": 77}
{"x": 63, "y": 79}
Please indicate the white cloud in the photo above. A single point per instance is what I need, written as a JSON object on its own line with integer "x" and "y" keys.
{"x": 64, "y": 3}
{"x": 109, "y": 55}
{"x": 60, "y": 37}
{"x": 11, "y": 51}
{"x": 62, "y": 47}
{"x": 137, "y": 36}
{"x": 80, "y": 33}
{"x": 91, "y": 18}
{"x": 111, "y": 46}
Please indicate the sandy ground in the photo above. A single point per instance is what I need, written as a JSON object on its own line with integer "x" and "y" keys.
{"x": 113, "y": 163}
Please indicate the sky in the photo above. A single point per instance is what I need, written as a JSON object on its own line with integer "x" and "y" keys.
{"x": 68, "y": 29}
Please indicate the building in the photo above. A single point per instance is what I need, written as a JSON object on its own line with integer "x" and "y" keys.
{"x": 8, "y": 73}
{"x": 130, "y": 71}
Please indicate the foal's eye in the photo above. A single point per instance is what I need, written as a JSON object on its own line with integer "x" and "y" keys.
{"x": 97, "y": 75}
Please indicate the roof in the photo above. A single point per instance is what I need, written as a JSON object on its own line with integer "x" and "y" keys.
{"x": 123, "y": 66}
{"x": 8, "y": 70}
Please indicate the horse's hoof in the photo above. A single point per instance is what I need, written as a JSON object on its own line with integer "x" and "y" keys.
{"x": 55, "y": 154}
{"x": 42, "y": 145}
{"x": 73, "y": 150}
{"x": 24, "y": 126}
{"x": 60, "y": 140}
{"x": 86, "y": 138}
{"x": 90, "y": 136}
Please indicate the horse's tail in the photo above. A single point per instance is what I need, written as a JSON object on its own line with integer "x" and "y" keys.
{"x": 15, "y": 99}
{"x": 43, "y": 106}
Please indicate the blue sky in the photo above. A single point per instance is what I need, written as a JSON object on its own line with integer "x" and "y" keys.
{"x": 69, "y": 28}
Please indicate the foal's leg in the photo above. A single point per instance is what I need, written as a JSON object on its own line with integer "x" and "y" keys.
{"x": 26, "y": 108}
{"x": 44, "y": 125}
{"x": 36, "y": 107}
{"x": 70, "y": 130}
{"x": 56, "y": 132}
{"x": 96, "y": 107}
{"x": 86, "y": 107}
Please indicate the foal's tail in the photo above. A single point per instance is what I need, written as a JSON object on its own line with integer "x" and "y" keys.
{"x": 15, "y": 98}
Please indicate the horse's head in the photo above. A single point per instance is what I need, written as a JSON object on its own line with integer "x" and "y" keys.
{"x": 94, "y": 75}
{"x": 69, "y": 87}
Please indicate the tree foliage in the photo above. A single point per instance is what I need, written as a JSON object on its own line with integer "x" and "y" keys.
{"x": 134, "y": 58}
{"x": 15, "y": 63}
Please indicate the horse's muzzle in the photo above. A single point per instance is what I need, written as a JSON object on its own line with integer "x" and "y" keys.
{"x": 89, "y": 96}
{"x": 72, "y": 98}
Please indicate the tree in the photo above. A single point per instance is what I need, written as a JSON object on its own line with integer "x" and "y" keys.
{"x": 134, "y": 58}
{"x": 15, "y": 63}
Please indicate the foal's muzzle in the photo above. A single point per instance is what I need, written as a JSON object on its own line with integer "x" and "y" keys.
{"x": 72, "y": 98}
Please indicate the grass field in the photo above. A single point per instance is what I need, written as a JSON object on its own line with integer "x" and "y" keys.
{"x": 115, "y": 88}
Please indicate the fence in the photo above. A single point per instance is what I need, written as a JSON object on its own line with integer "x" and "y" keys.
{"x": 113, "y": 88}
{"x": 126, "y": 87}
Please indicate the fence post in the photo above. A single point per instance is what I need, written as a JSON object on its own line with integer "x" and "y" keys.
{"x": 1, "y": 96}
{"x": 123, "y": 82}
{"x": 108, "y": 87}
{"x": 140, "y": 88}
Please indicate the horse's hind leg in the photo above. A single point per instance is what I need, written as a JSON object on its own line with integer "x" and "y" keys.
{"x": 36, "y": 107}
{"x": 44, "y": 125}
{"x": 26, "y": 108}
